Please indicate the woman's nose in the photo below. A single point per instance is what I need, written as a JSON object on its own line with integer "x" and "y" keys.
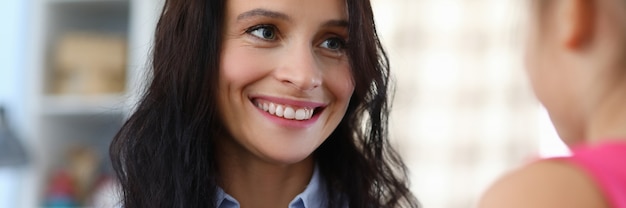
{"x": 299, "y": 69}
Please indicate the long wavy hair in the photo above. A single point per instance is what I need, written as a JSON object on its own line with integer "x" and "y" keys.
{"x": 164, "y": 154}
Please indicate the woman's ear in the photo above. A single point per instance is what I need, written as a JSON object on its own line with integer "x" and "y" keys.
{"x": 578, "y": 23}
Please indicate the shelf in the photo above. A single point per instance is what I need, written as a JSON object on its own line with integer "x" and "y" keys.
{"x": 60, "y": 105}
{"x": 72, "y": 109}
{"x": 106, "y": 21}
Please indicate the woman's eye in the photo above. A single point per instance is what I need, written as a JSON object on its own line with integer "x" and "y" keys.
{"x": 333, "y": 44}
{"x": 264, "y": 32}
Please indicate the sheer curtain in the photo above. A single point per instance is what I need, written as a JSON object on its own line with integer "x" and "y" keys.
{"x": 463, "y": 111}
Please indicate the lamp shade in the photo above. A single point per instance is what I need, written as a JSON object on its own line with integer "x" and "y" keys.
{"x": 12, "y": 151}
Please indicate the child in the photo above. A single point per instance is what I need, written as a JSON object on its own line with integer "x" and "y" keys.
{"x": 577, "y": 66}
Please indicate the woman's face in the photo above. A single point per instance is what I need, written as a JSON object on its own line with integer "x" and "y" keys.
{"x": 285, "y": 79}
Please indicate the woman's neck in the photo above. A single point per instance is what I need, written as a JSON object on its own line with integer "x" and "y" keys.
{"x": 608, "y": 121}
{"x": 257, "y": 183}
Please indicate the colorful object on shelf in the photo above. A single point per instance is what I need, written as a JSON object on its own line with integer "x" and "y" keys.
{"x": 61, "y": 192}
{"x": 76, "y": 180}
{"x": 82, "y": 166}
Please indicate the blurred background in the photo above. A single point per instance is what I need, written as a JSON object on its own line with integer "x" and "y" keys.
{"x": 70, "y": 70}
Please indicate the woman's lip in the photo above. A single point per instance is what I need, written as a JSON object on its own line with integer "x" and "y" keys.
{"x": 289, "y": 102}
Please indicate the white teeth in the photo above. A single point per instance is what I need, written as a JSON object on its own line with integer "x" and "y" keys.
{"x": 279, "y": 110}
{"x": 301, "y": 114}
{"x": 289, "y": 113}
{"x": 286, "y": 112}
{"x": 272, "y": 109}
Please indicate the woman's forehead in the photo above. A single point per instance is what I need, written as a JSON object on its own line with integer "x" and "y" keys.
{"x": 292, "y": 10}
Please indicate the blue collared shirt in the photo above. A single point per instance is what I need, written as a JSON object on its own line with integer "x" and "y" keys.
{"x": 313, "y": 196}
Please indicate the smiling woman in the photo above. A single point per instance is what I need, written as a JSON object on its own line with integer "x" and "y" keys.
{"x": 270, "y": 103}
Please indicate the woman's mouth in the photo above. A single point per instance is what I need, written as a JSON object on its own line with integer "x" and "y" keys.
{"x": 285, "y": 111}
{"x": 288, "y": 109}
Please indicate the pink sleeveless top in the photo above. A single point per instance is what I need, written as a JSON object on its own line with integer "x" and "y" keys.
{"x": 606, "y": 164}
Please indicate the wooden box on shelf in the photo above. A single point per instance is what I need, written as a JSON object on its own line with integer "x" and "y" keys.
{"x": 89, "y": 63}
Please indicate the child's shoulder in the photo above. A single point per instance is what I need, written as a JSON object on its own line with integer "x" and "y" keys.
{"x": 545, "y": 183}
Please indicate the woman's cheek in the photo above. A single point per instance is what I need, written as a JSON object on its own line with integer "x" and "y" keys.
{"x": 245, "y": 63}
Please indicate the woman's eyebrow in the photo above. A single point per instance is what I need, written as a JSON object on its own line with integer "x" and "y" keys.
{"x": 335, "y": 23}
{"x": 264, "y": 13}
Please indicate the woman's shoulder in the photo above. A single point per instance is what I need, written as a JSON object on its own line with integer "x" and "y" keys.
{"x": 545, "y": 183}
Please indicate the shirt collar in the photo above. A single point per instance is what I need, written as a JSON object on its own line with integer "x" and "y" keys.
{"x": 313, "y": 196}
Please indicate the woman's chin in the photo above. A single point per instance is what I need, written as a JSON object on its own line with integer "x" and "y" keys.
{"x": 286, "y": 157}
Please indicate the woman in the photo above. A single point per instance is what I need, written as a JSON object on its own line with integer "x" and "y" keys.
{"x": 269, "y": 103}
{"x": 577, "y": 68}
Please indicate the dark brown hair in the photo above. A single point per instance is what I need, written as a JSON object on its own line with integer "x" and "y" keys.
{"x": 164, "y": 153}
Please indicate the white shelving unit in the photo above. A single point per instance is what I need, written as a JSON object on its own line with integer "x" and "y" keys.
{"x": 60, "y": 121}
